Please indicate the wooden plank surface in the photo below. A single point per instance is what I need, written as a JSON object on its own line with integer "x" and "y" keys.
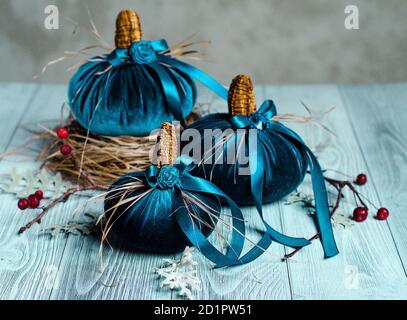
{"x": 370, "y": 264}
{"x": 37, "y": 256}
{"x": 382, "y": 137}
{"x": 14, "y": 253}
{"x": 267, "y": 278}
{"x": 40, "y": 255}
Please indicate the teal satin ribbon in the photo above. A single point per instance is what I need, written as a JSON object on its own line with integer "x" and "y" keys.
{"x": 188, "y": 182}
{"x": 120, "y": 57}
{"x": 260, "y": 120}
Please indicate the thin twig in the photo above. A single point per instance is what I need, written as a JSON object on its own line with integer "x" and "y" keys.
{"x": 347, "y": 184}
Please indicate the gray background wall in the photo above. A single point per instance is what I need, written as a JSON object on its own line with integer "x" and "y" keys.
{"x": 276, "y": 41}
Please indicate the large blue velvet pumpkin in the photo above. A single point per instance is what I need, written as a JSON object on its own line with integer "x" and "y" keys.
{"x": 284, "y": 161}
{"x": 128, "y": 99}
{"x": 277, "y": 159}
{"x": 135, "y": 88}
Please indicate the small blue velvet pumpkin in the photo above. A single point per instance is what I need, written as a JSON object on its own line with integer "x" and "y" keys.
{"x": 166, "y": 208}
{"x": 150, "y": 224}
{"x": 162, "y": 210}
{"x": 135, "y": 88}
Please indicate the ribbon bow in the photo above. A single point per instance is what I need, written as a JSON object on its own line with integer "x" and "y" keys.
{"x": 179, "y": 179}
{"x": 261, "y": 120}
{"x": 153, "y": 54}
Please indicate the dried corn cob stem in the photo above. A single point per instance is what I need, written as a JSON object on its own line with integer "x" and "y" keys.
{"x": 241, "y": 96}
{"x": 128, "y": 28}
{"x": 167, "y": 141}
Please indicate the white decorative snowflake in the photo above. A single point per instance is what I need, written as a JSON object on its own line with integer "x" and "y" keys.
{"x": 181, "y": 274}
{"x": 74, "y": 227}
{"x": 343, "y": 219}
{"x": 23, "y": 184}
{"x": 306, "y": 199}
{"x": 340, "y": 218}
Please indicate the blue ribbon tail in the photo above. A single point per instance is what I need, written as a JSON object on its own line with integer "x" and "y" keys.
{"x": 198, "y": 239}
{"x": 197, "y": 75}
{"x": 195, "y": 184}
{"x": 321, "y": 199}
{"x": 233, "y": 256}
{"x": 322, "y": 208}
{"x": 257, "y": 181}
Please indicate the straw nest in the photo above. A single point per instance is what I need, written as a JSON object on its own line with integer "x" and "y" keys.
{"x": 97, "y": 159}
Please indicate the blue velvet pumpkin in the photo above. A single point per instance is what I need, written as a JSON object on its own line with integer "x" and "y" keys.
{"x": 162, "y": 210}
{"x": 150, "y": 223}
{"x": 277, "y": 159}
{"x": 284, "y": 161}
{"x": 135, "y": 88}
{"x": 165, "y": 208}
{"x": 128, "y": 99}
{"x": 253, "y": 159}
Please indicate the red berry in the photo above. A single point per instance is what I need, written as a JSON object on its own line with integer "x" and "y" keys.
{"x": 22, "y": 204}
{"x": 39, "y": 194}
{"x": 62, "y": 133}
{"x": 33, "y": 201}
{"x": 361, "y": 179}
{"x": 65, "y": 149}
{"x": 360, "y": 214}
{"x": 382, "y": 214}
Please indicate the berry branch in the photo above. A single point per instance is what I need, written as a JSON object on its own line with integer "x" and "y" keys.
{"x": 60, "y": 199}
{"x": 359, "y": 214}
{"x": 340, "y": 184}
{"x": 33, "y": 201}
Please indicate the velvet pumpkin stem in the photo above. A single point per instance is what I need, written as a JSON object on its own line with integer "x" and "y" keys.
{"x": 241, "y": 98}
{"x": 167, "y": 144}
{"x": 128, "y": 29}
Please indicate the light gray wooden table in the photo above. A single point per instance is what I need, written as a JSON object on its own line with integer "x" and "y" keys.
{"x": 371, "y": 137}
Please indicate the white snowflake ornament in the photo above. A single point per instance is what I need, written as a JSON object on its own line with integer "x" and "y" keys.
{"x": 181, "y": 274}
